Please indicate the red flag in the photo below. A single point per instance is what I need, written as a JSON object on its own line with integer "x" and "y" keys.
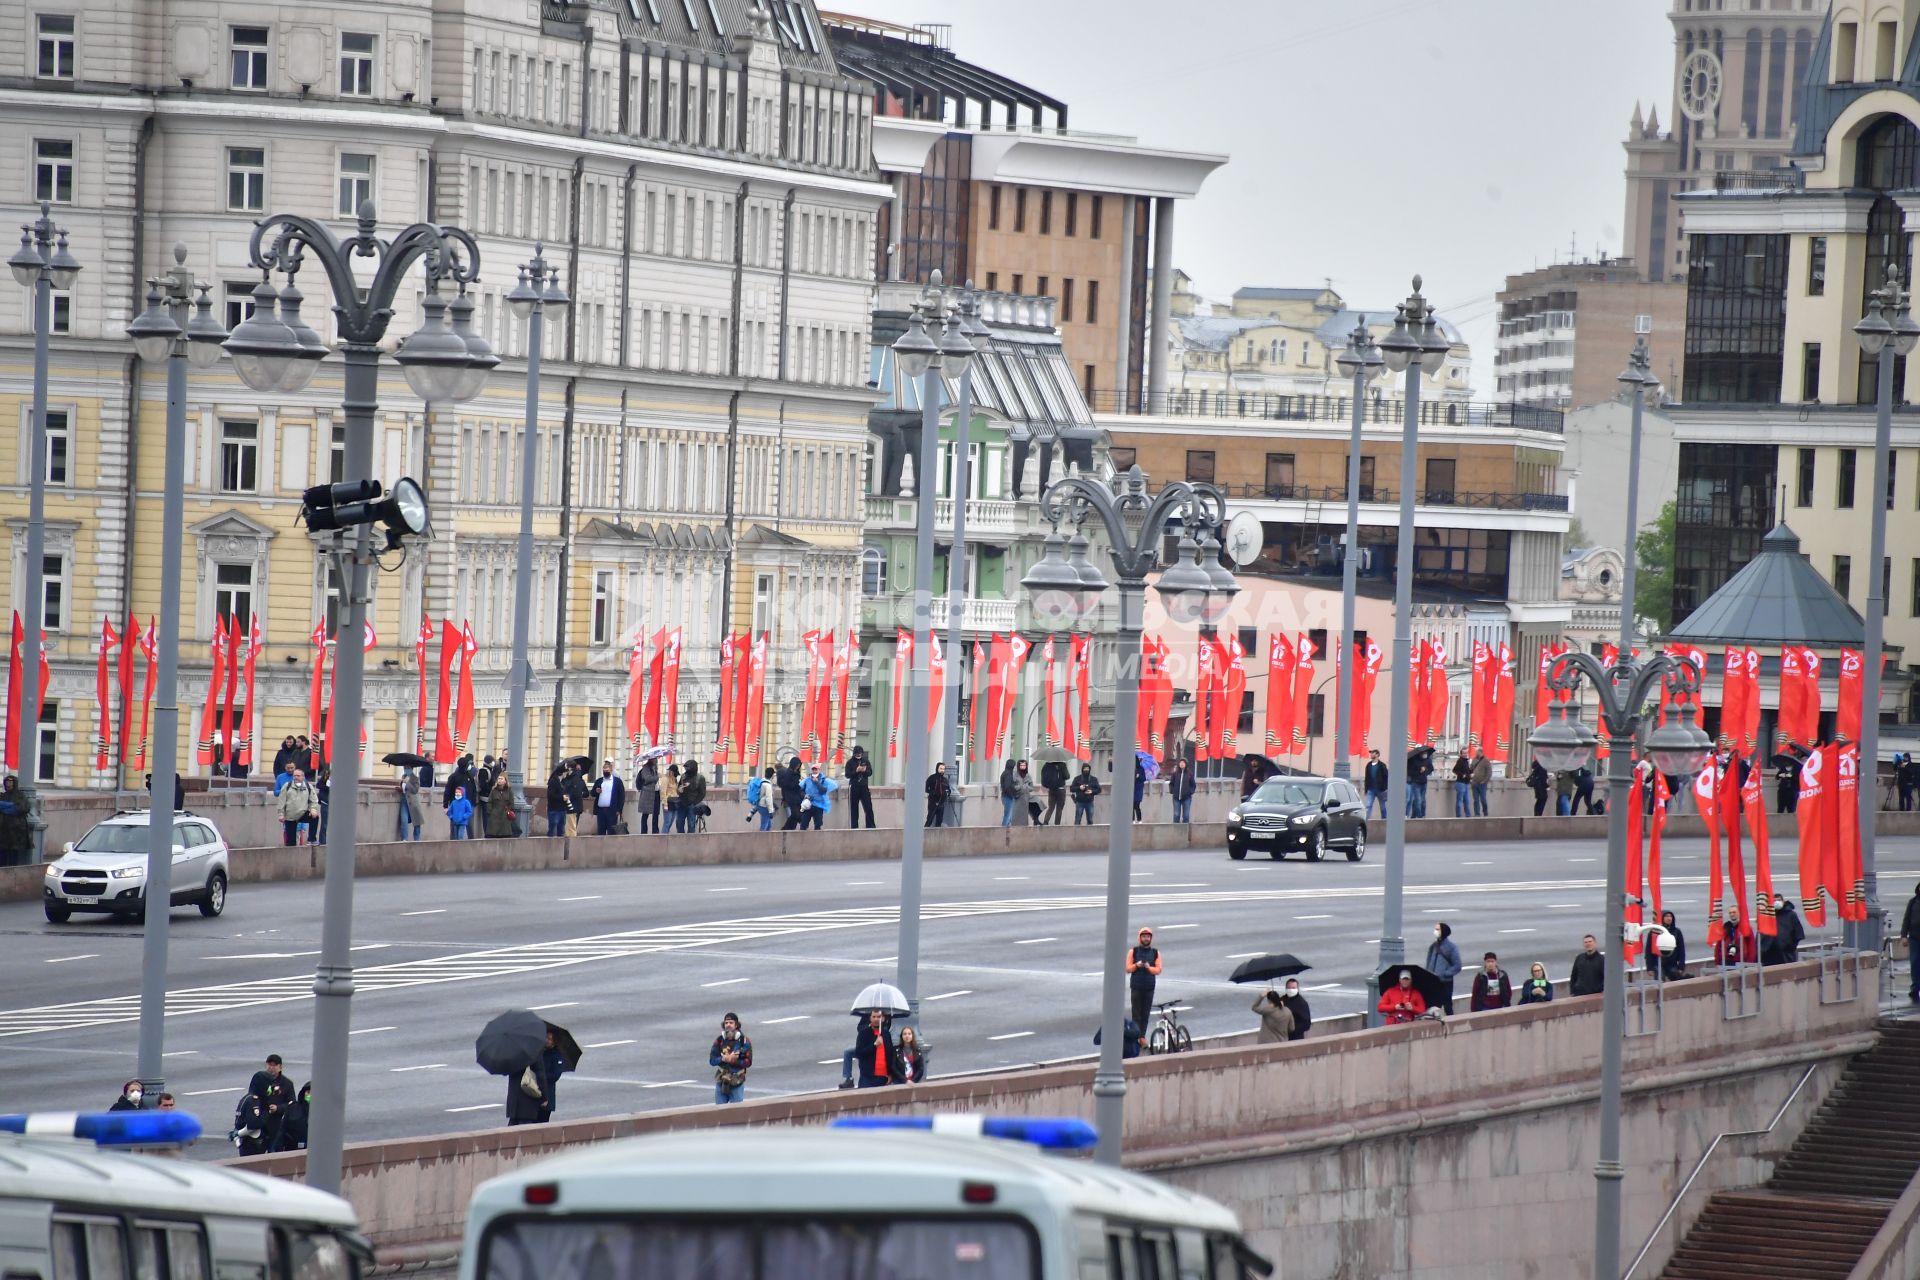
{"x": 464, "y": 708}
{"x": 902, "y": 673}
{"x": 421, "y": 639}
{"x": 996, "y": 677}
{"x": 14, "y": 694}
{"x": 1236, "y": 686}
{"x": 1162, "y": 697}
{"x": 671, "y": 697}
{"x": 1048, "y": 687}
{"x": 149, "y": 649}
{"x": 1420, "y": 660}
{"x": 1203, "y": 699}
{"x": 636, "y": 707}
{"x": 845, "y": 659}
{"x": 243, "y": 752}
{"x": 1018, "y": 647}
{"x": 1438, "y": 692}
{"x": 1367, "y": 657}
{"x": 756, "y": 699}
{"x": 723, "y": 734}
{"x": 216, "y": 682}
{"x": 1846, "y": 878}
{"x": 1852, "y": 691}
{"x": 445, "y": 750}
{"x": 1799, "y": 694}
{"x": 1748, "y": 743}
{"x": 1753, "y": 806}
{"x": 1817, "y": 829}
{"x": 823, "y": 696}
{"x": 1654, "y": 891}
{"x": 1733, "y": 694}
{"x": 743, "y": 688}
{"x": 103, "y": 741}
{"x": 129, "y": 640}
{"x": 1279, "y": 736}
{"x": 656, "y": 673}
{"x": 1220, "y": 717}
{"x": 1501, "y": 728}
{"x": 936, "y": 681}
{"x": 1480, "y": 696}
{"x": 810, "y": 700}
{"x": 229, "y": 720}
{"x": 1542, "y": 691}
{"x": 1082, "y": 678}
{"x": 1706, "y": 794}
{"x": 975, "y": 742}
{"x": 1303, "y": 655}
{"x": 1636, "y": 845}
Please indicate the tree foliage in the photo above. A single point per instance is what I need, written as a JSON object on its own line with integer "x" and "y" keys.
{"x": 1653, "y": 571}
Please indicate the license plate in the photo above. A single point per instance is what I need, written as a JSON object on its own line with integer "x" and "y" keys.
{"x": 82, "y": 902}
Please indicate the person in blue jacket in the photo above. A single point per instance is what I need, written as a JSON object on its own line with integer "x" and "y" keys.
{"x": 759, "y": 799}
{"x": 1443, "y": 960}
{"x": 818, "y": 789}
{"x": 459, "y": 813}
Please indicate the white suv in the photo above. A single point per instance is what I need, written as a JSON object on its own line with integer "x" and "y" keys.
{"x": 106, "y": 869}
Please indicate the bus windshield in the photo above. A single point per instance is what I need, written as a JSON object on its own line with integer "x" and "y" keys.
{"x": 585, "y": 1248}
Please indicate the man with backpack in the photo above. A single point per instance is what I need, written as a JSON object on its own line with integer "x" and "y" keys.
{"x": 759, "y": 795}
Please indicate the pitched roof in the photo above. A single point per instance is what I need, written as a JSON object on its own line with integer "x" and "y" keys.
{"x": 1777, "y": 598}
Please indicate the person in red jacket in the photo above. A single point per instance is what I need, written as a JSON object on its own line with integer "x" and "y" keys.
{"x": 1400, "y": 1002}
{"x": 1732, "y": 947}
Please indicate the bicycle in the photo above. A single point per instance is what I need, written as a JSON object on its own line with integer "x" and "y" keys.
{"x": 1168, "y": 1036}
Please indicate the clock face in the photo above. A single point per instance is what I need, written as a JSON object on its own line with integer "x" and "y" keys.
{"x": 1700, "y": 85}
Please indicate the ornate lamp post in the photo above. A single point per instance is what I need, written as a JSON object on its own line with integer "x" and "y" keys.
{"x": 1065, "y": 588}
{"x": 1888, "y": 331}
{"x": 1360, "y": 361}
{"x": 280, "y": 353}
{"x": 166, "y": 331}
{"x": 1678, "y": 749}
{"x": 41, "y": 264}
{"x": 953, "y": 735}
{"x": 1637, "y": 379}
{"x": 934, "y": 345}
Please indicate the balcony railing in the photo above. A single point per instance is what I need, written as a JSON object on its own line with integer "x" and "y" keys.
{"x": 988, "y": 517}
{"x": 994, "y": 616}
{"x": 1486, "y": 500}
{"x": 1338, "y": 410}
{"x": 1787, "y": 179}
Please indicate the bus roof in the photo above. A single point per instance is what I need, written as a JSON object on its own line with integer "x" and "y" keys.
{"x": 786, "y": 1169}
{"x": 75, "y": 1172}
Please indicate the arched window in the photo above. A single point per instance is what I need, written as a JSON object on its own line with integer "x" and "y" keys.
{"x": 1887, "y": 160}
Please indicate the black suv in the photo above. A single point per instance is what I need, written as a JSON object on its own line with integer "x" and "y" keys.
{"x": 1310, "y": 814}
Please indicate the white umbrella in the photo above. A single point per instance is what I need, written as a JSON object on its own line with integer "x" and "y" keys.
{"x": 883, "y": 996}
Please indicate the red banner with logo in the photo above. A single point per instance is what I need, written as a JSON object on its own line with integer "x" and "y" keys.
{"x": 216, "y": 683}
{"x": 723, "y": 732}
{"x": 1846, "y": 876}
{"x": 1500, "y": 727}
{"x": 150, "y": 650}
{"x": 103, "y": 740}
{"x": 1018, "y": 647}
{"x": 230, "y": 716}
{"x": 1852, "y": 691}
{"x": 936, "y": 684}
{"x": 1303, "y": 656}
{"x": 975, "y": 743}
{"x": 1480, "y": 696}
{"x": 671, "y": 695}
{"x": 1049, "y": 688}
{"x": 756, "y": 699}
{"x": 1367, "y": 657}
{"x": 1083, "y": 684}
{"x": 1236, "y": 692}
{"x": 846, "y": 657}
{"x": 1818, "y": 829}
{"x": 1799, "y": 719}
{"x": 256, "y": 642}
{"x": 822, "y": 696}
{"x": 1435, "y": 724}
{"x": 743, "y": 688}
{"x": 1162, "y": 695}
{"x": 902, "y": 673}
{"x": 1279, "y": 733}
{"x": 464, "y": 708}
{"x": 444, "y": 751}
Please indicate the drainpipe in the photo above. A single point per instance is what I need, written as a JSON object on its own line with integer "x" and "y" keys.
{"x": 786, "y": 275}
{"x": 626, "y": 265}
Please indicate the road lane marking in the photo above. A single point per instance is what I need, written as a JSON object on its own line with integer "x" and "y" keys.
{"x": 482, "y": 1106}
{"x": 563, "y": 1004}
{"x": 665, "y": 1084}
{"x": 91, "y": 955}
{"x": 1246, "y": 955}
{"x": 1301, "y": 918}
{"x": 774, "y": 1022}
{"x": 1011, "y": 1035}
{"x": 609, "y": 1044}
{"x": 436, "y": 911}
{"x": 182, "y": 1053}
{"x": 1028, "y": 942}
{"x": 1519, "y": 931}
{"x": 829, "y": 1062}
{"x": 367, "y": 1031}
{"x": 1013, "y": 877}
{"x": 585, "y": 897}
{"x": 945, "y": 995}
{"x": 726, "y": 982}
{"x": 737, "y": 888}
{"x": 1165, "y": 927}
{"x": 1583, "y": 859}
{"x": 856, "y": 884}
{"x": 1564, "y": 906}
{"x": 424, "y": 1066}
{"x": 1476, "y": 864}
{"x": 201, "y": 1093}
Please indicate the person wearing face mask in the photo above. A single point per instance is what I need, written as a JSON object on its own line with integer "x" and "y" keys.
{"x": 130, "y": 1095}
{"x": 1492, "y": 989}
{"x": 1276, "y": 1020}
{"x": 1443, "y": 960}
{"x": 1297, "y": 1005}
{"x": 1537, "y": 989}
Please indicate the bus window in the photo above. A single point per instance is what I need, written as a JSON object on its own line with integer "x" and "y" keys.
{"x": 1123, "y": 1260}
{"x": 1156, "y": 1256}
{"x": 309, "y": 1255}
{"x": 169, "y": 1251}
{"x": 88, "y": 1249}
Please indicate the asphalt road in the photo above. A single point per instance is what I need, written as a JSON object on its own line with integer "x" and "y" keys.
{"x": 640, "y": 965}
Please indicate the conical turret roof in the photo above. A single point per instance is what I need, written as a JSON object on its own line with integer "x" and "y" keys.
{"x": 1777, "y": 598}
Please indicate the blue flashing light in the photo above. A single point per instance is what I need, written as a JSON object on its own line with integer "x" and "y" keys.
{"x": 110, "y": 1128}
{"x": 1058, "y": 1133}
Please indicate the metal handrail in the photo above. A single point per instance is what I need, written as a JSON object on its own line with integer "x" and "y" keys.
{"x": 1700, "y": 1164}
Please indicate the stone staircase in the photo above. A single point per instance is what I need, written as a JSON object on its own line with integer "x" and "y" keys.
{"x": 1830, "y": 1194}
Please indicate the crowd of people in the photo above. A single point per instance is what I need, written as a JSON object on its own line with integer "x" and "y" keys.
{"x": 271, "y": 1115}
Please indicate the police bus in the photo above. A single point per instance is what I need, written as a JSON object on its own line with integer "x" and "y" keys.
{"x": 871, "y": 1198}
{"x": 80, "y": 1200}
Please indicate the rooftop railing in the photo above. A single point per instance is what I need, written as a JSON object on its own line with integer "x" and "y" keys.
{"x": 1333, "y": 410}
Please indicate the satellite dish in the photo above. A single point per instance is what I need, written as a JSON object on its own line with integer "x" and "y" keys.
{"x": 1245, "y": 537}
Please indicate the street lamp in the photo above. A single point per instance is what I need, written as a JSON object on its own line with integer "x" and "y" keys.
{"x": 933, "y": 346}
{"x": 1415, "y": 345}
{"x": 538, "y": 289}
{"x": 979, "y": 335}
{"x": 1638, "y": 379}
{"x": 160, "y": 334}
{"x": 1888, "y": 331}
{"x": 41, "y": 264}
{"x": 1063, "y": 587}
{"x": 278, "y": 353}
{"x": 1678, "y": 749}
{"x": 1362, "y": 362}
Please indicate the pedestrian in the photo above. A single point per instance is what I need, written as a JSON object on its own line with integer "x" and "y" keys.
{"x": 859, "y": 773}
{"x": 609, "y": 800}
{"x": 873, "y": 1050}
{"x": 1671, "y": 965}
{"x": 483, "y": 778}
{"x": 250, "y": 1127}
{"x": 1910, "y": 934}
{"x": 16, "y": 832}
{"x": 731, "y": 1058}
{"x": 1443, "y": 960}
{"x": 410, "y": 816}
{"x": 792, "y": 793}
{"x": 1054, "y": 777}
{"x": 575, "y": 785}
{"x": 1462, "y": 776}
{"x": 323, "y": 795}
{"x": 1376, "y": 780}
{"x": 1783, "y": 945}
{"x": 1085, "y": 788}
{"x": 275, "y": 1092}
{"x": 527, "y": 1093}
{"x": 501, "y": 815}
{"x": 1180, "y": 788}
{"x": 910, "y": 1058}
{"x": 1009, "y": 793}
{"x": 693, "y": 797}
{"x": 1419, "y": 769}
{"x": 1786, "y": 782}
{"x": 1492, "y": 989}
{"x": 283, "y": 758}
{"x": 1401, "y": 1002}
{"x": 462, "y": 777}
{"x": 1583, "y": 788}
{"x": 297, "y": 804}
{"x": 459, "y": 815}
{"x": 1027, "y": 812}
{"x": 1588, "y": 977}
{"x": 674, "y": 819}
{"x": 1252, "y": 774}
{"x": 646, "y": 799}
{"x": 557, "y": 799}
{"x": 1563, "y": 793}
{"x": 759, "y": 794}
{"x": 1480, "y": 779}
{"x": 1133, "y": 1040}
{"x": 1907, "y": 778}
{"x": 1276, "y": 1019}
{"x": 1536, "y": 989}
{"x": 1734, "y": 946}
{"x": 168, "y": 1102}
{"x": 939, "y": 791}
{"x": 1297, "y": 1005}
{"x": 293, "y": 1129}
{"x": 1143, "y": 970}
{"x": 1139, "y": 786}
{"x": 131, "y": 1094}
{"x": 818, "y": 802}
{"x": 1539, "y": 783}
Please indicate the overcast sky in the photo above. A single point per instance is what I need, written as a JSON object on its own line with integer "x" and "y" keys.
{"x": 1370, "y": 139}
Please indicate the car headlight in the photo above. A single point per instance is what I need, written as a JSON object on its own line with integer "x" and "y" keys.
{"x": 1233, "y": 815}
{"x": 1303, "y": 820}
{"x": 127, "y": 873}
{"x": 53, "y": 871}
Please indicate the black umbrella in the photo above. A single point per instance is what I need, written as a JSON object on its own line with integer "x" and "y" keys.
{"x": 1267, "y": 968}
{"x": 406, "y": 759}
{"x": 585, "y": 762}
{"x": 569, "y": 1047}
{"x": 1432, "y": 988}
{"x": 511, "y": 1043}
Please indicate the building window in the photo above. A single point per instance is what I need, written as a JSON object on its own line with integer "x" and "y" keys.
{"x": 1810, "y": 371}
{"x": 1843, "y": 492}
{"x": 333, "y": 603}
{"x": 356, "y": 183}
{"x": 1846, "y": 42}
{"x": 1803, "y": 478}
{"x": 993, "y": 282}
{"x": 56, "y": 46}
{"x": 993, "y": 210}
{"x": 62, "y": 311}
{"x": 239, "y": 303}
{"x": 596, "y": 734}
{"x": 59, "y": 447}
{"x": 249, "y": 57}
{"x": 53, "y": 591}
{"x": 1046, "y": 287}
{"x": 1843, "y": 576}
{"x": 356, "y": 64}
{"x": 1736, "y": 318}
{"x": 1073, "y": 213}
{"x": 1440, "y": 478}
{"x": 1066, "y": 299}
{"x": 1913, "y": 598}
{"x": 1200, "y": 466}
{"x": 47, "y": 741}
{"x": 1019, "y": 214}
{"x": 1123, "y": 459}
{"x": 239, "y": 456}
{"x": 53, "y": 170}
{"x": 1279, "y": 475}
{"x": 762, "y": 603}
{"x": 233, "y": 593}
{"x": 1086, "y": 383}
{"x": 873, "y": 572}
{"x": 1046, "y": 213}
{"x": 1093, "y": 302}
{"x": 1817, "y": 266}
{"x": 337, "y": 456}
{"x": 1366, "y": 477}
{"x": 246, "y": 179}
{"x": 1019, "y": 283}
{"x": 602, "y": 606}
